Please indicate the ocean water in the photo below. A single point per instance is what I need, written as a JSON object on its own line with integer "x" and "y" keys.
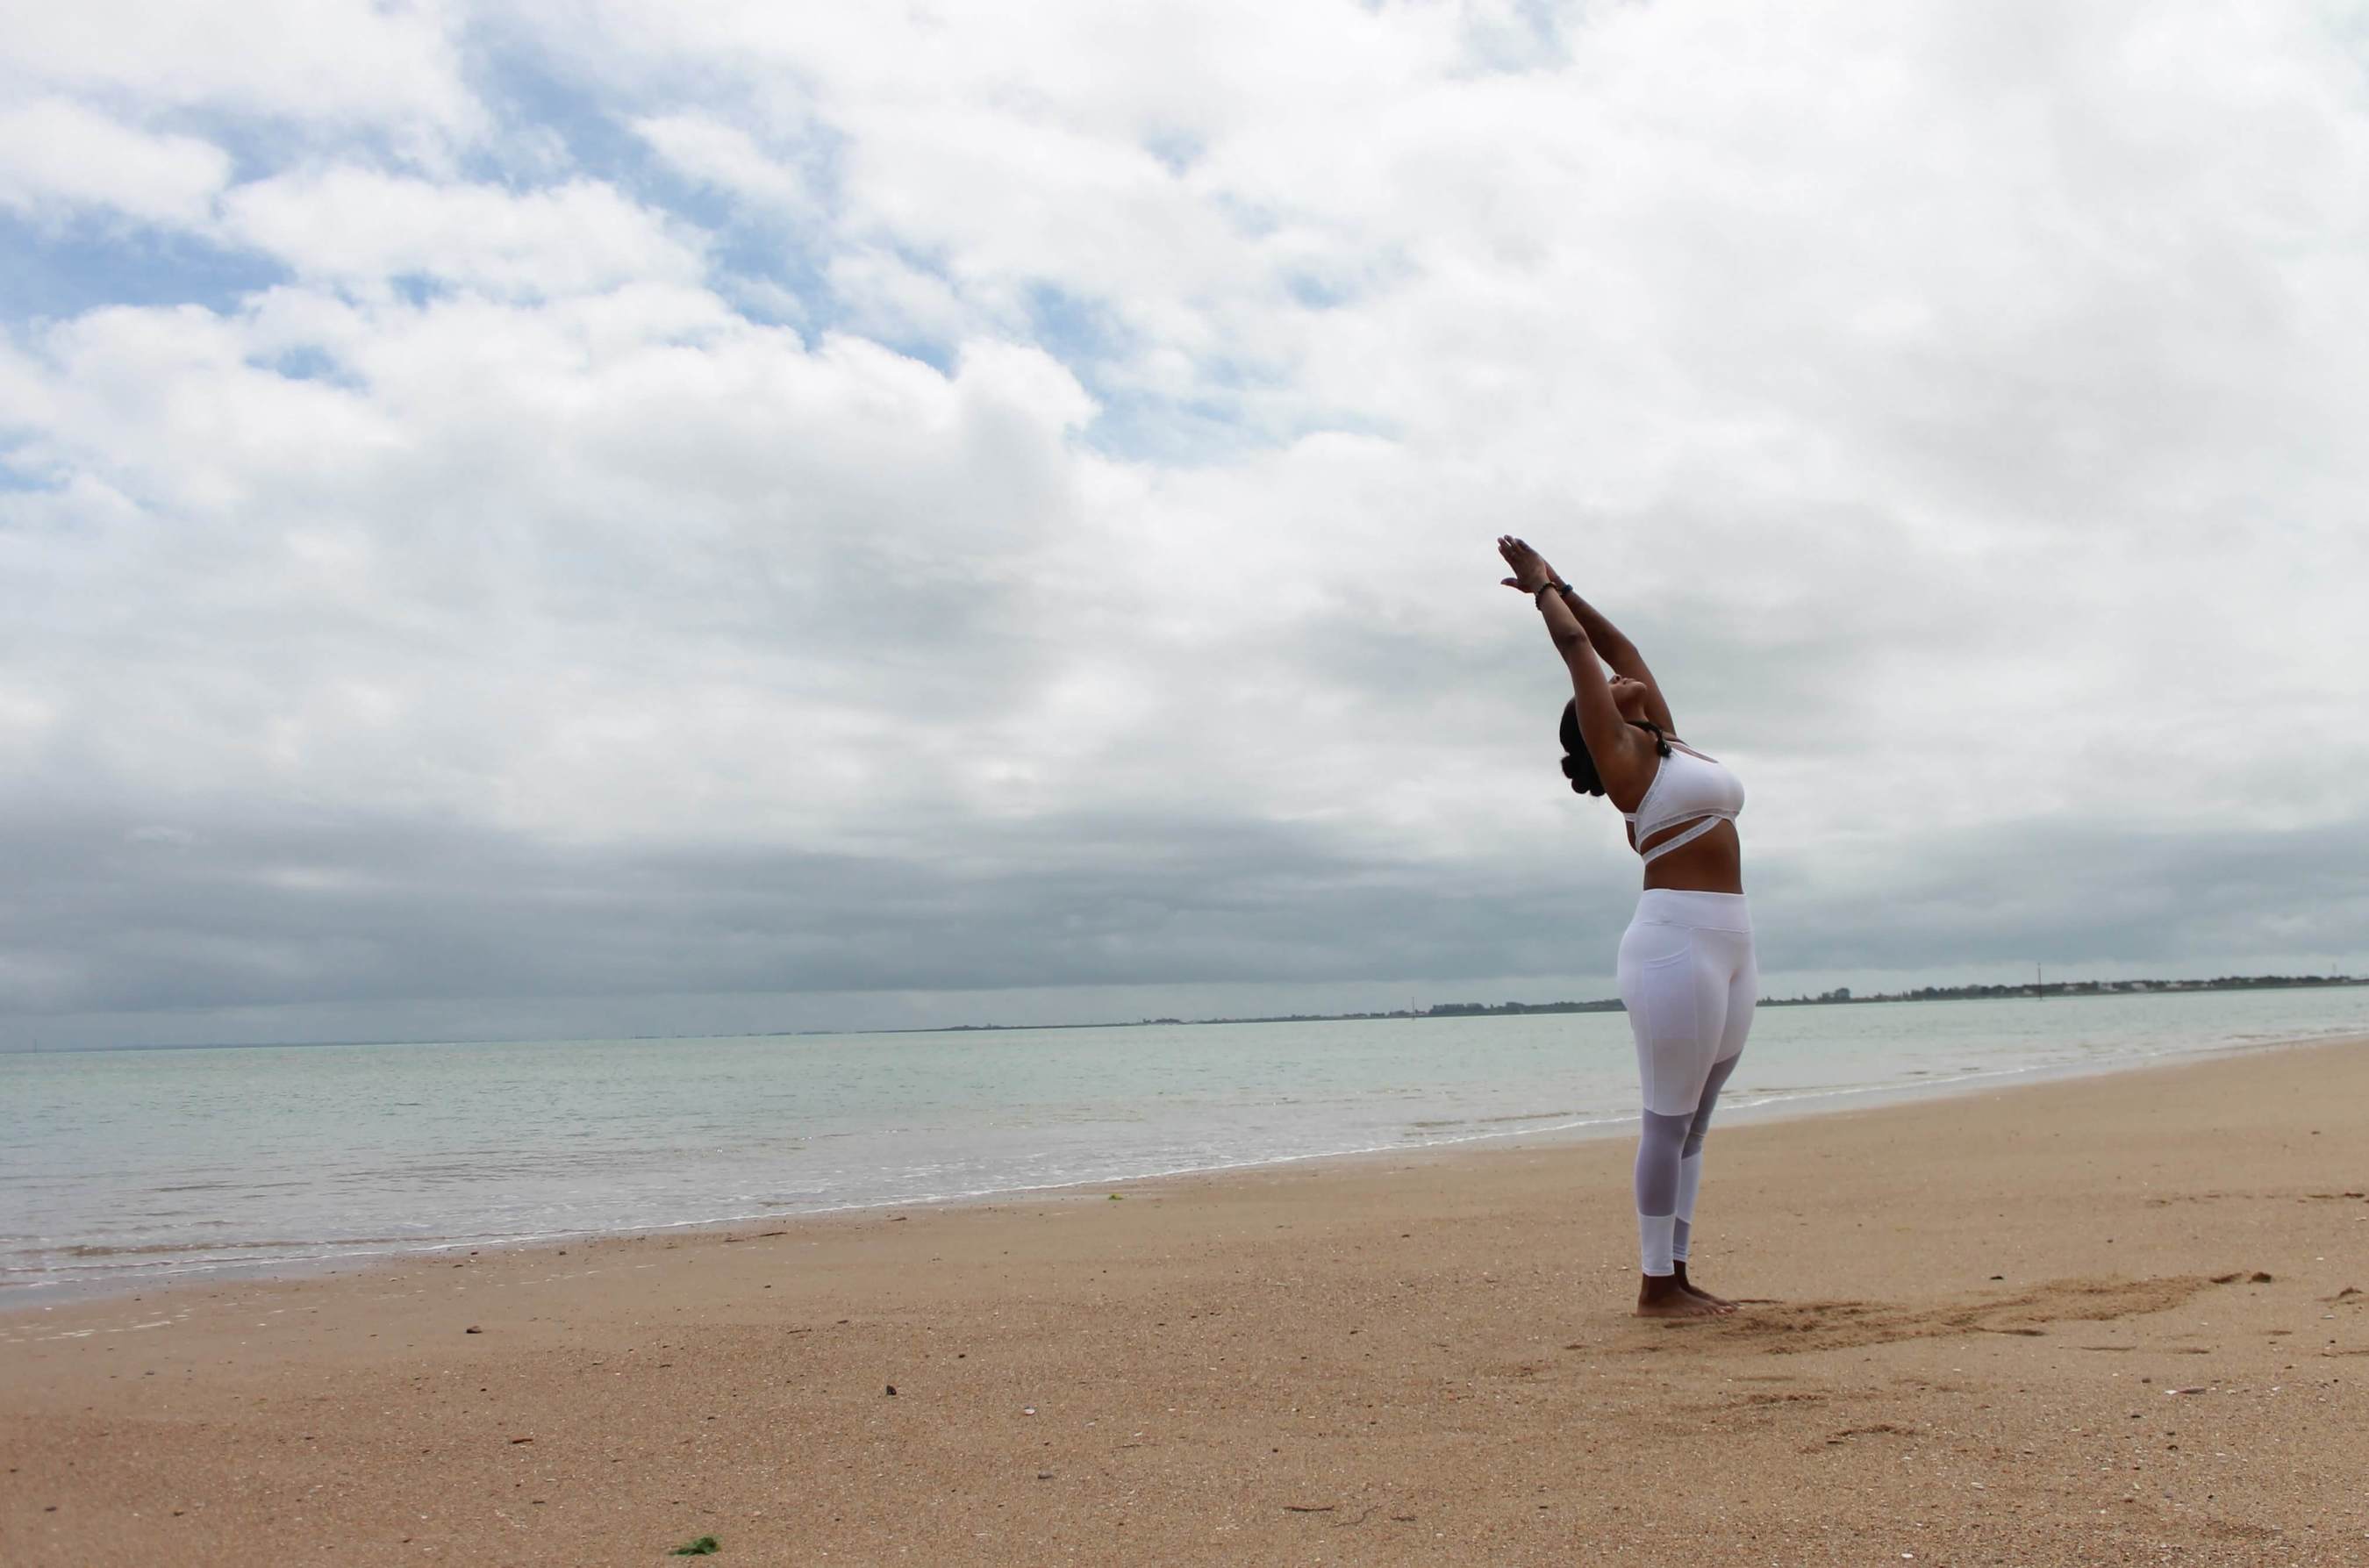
{"x": 119, "y": 1169}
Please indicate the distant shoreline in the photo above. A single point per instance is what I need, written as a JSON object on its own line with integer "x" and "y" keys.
{"x": 1841, "y": 997}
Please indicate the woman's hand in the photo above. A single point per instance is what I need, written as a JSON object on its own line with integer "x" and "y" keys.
{"x": 1531, "y": 572}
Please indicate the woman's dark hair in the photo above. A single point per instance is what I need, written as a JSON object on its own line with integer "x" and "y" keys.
{"x": 1578, "y": 766}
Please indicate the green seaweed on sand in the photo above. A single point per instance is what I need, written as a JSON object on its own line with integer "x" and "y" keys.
{"x": 702, "y": 1547}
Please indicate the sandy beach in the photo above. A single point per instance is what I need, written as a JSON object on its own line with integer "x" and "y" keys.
{"x": 2107, "y": 1319}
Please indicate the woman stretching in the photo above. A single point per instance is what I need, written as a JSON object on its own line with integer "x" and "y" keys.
{"x": 1687, "y": 974}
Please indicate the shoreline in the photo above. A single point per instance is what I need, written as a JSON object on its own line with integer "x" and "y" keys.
{"x": 1784, "y": 1107}
{"x": 2069, "y": 991}
{"x": 2115, "y": 1318}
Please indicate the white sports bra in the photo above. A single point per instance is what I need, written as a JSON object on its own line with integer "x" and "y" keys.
{"x": 1686, "y": 785}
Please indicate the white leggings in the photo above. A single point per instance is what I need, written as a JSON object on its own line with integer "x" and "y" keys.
{"x": 1688, "y": 981}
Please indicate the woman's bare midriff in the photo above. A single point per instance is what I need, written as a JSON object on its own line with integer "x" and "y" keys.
{"x": 1713, "y": 863}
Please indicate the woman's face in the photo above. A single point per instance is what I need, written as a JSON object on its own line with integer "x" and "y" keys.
{"x": 1628, "y": 697}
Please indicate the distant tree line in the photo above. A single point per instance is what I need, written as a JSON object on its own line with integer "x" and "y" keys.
{"x": 1922, "y": 993}
{"x": 1840, "y": 994}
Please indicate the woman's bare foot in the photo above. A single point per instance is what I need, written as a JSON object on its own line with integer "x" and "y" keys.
{"x": 1696, "y": 1291}
{"x": 1661, "y": 1296}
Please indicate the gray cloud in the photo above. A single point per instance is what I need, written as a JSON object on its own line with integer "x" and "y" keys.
{"x": 316, "y": 909}
{"x": 2076, "y": 894}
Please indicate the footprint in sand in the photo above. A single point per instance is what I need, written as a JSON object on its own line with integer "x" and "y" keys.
{"x": 1791, "y": 1328}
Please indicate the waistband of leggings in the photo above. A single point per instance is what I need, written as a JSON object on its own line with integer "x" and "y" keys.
{"x": 1705, "y": 911}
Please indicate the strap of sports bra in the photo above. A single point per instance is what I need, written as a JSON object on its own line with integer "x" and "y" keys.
{"x": 1684, "y": 836}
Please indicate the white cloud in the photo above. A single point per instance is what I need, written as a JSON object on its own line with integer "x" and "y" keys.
{"x": 564, "y": 567}
{"x": 730, "y": 159}
{"x": 59, "y": 157}
{"x": 885, "y": 296}
{"x": 365, "y": 228}
{"x": 333, "y": 62}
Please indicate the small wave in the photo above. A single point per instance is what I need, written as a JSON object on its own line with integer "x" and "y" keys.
{"x": 1495, "y": 1121}
{"x": 168, "y": 1248}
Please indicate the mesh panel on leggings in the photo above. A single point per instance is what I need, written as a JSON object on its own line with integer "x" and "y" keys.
{"x": 1667, "y": 1147}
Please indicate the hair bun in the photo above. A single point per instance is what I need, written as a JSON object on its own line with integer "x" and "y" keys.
{"x": 1577, "y": 766}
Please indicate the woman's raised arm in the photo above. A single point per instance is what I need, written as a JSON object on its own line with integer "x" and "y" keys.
{"x": 1624, "y": 757}
{"x": 1615, "y": 649}
{"x": 1621, "y": 655}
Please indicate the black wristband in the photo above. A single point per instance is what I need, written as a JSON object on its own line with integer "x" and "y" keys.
{"x": 1558, "y": 587}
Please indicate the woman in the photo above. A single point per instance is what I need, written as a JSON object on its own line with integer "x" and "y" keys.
{"x": 1687, "y": 973}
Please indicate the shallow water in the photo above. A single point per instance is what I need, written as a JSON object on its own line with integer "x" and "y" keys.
{"x": 124, "y": 1167}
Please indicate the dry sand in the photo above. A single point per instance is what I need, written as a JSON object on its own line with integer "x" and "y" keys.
{"x": 2112, "y": 1320}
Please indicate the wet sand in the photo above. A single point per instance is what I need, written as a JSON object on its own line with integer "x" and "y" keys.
{"x": 2099, "y": 1321}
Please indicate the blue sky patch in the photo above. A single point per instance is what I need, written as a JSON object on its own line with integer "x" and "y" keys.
{"x": 53, "y": 274}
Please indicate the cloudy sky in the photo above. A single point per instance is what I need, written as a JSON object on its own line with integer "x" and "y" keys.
{"x": 632, "y": 517}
